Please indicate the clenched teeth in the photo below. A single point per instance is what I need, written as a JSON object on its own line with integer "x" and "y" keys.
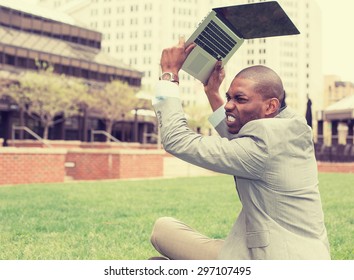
{"x": 231, "y": 119}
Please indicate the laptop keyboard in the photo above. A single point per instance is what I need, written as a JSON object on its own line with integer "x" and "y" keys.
{"x": 215, "y": 41}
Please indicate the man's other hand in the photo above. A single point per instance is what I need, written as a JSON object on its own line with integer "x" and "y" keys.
{"x": 216, "y": 78}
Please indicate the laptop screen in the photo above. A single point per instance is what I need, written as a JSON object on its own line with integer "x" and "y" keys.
{"x": 258, "y": 20}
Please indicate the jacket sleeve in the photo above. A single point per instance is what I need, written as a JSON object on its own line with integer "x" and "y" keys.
{"x": 243, "y": 156}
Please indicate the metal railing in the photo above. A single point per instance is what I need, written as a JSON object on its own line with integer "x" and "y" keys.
{"x": 105, "y": 133}
{"x": 151, "y": 135}
{"x": 29, "y": 131}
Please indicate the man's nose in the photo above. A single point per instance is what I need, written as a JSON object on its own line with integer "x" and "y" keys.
{"x": 229, "y": 106}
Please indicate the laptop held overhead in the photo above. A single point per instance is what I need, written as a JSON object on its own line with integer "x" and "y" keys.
{"x": 224, "y": 29}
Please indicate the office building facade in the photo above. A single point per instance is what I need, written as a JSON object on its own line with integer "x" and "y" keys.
{"x": 29, "y": 36}
{"x": 136, "y": 31}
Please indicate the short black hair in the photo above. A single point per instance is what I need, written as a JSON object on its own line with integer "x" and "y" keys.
{"x": 268, "y": 82}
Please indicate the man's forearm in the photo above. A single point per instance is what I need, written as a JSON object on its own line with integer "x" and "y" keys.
{"x": 212, "y": 87}
{"x": 215, "y": 101}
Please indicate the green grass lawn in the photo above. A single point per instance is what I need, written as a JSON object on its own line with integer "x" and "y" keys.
{"x": 113, "y": 220}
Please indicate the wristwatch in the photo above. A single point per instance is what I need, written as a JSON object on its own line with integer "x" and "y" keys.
{"x": 169, "y": 76}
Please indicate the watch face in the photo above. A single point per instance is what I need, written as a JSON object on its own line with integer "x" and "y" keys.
{"x": 166, "y": 76}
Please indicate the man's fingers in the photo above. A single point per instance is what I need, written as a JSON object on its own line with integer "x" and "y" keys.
{"x": 189, "y": 48}
{"x": 218, "y": 65}
{"x": 181, "y": 42}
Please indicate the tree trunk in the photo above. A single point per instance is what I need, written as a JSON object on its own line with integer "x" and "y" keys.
{"x": 22, "y": 122}
{"x": 45, "y": 133}
{"x": 109, "y": 127}
{"x": 84, "y": 125}
{"x": 123, "y": 128}
{"x": 135, "y": 127}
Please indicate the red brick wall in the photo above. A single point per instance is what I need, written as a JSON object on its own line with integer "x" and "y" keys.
{"x": 42, "y": 165}
{"x": 109, "y": 164}
{"x": 140, "y": 165}
{"x": 22, "y": 165}
{"x": 336, "y": 167}
{"x": 92, "y": 166}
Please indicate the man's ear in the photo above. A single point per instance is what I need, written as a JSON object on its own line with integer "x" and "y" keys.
{"x": 273, "y": 107}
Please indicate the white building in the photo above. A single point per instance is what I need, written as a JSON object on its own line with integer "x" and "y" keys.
{"x": 136, "y": 31}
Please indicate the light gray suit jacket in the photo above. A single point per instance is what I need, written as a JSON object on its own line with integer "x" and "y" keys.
{"x": 275, "y": 172}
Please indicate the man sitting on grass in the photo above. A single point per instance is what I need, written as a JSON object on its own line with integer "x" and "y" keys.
{"x": 269, "y": 151}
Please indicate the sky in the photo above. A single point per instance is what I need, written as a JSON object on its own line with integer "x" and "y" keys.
{"x": 338, "y": 38}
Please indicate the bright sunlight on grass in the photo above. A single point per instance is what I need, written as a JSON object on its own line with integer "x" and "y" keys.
{"x": 113, "y": 220}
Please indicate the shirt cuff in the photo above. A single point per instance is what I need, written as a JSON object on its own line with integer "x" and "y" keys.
{"x": 217, "y": 117}
{"x": 165, "y": 89}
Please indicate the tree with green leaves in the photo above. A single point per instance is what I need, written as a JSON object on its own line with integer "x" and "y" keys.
{"x": 45, "y": 95}
{"x": 113, "y": 101}
{"x": 197, "y": 117}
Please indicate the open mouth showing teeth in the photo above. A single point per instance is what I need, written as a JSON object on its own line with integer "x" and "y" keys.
{"x": 231, "y": 119}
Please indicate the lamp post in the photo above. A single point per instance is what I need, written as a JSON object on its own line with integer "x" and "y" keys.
{"x": 135, "y": 128}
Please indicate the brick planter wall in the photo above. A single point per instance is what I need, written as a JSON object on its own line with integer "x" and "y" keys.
{"x": 46, "y": 165}
{"x": 88, "y": 165}
{"x": 336, "y": 167}
{"x": 31, "y": 165}
{"x": 141, "y": 165}
{"x": 96, "y": 164}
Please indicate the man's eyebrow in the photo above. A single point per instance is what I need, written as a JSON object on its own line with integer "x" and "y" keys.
{"x": 239, "y": 93}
